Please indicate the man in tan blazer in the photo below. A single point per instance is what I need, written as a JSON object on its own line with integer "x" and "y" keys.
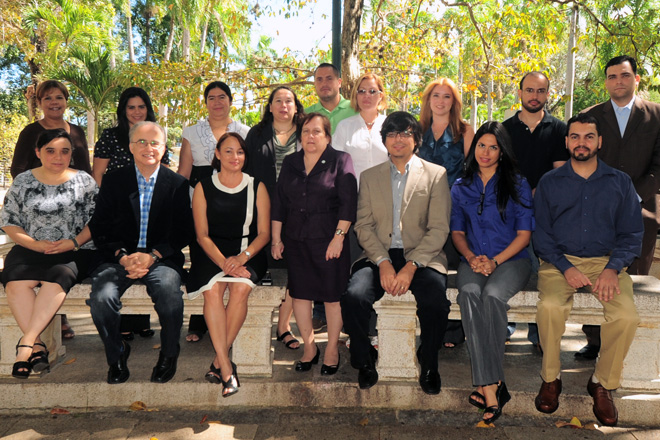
{"x": 402, "y": 224}
{"x": 630, "y": 129}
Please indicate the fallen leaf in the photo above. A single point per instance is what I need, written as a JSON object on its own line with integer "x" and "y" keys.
{"x": 217, "y": 422}
{"x": 364, "y": 422}
{"x": 574, "y": 423}
{"x": 153, "y": 438}
{"x": 156, "y": 347}
{"x": 70, "y": 361}
{"x": 59, "y": 411}
{"x": 591, "y": 426}
{"x": 201, "y": 422}
{"x": 483, "y": 424}
{"x": 138, "y": 406}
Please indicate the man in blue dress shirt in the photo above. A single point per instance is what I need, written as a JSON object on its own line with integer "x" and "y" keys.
{"x": 588, "y": 230}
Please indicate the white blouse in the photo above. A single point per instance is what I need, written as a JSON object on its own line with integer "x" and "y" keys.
{"x": 365, "y": 146}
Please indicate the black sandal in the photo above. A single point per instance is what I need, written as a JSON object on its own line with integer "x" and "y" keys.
{"x": 21, "y": 369}
{"x": 214, "y": 375}
{"x": 39, "y": 360}
{"x": 293, "y": 340}
{"x": 503, "y": 397}
{"x": 473, "y": 400}
{"x": 230, "y": 386}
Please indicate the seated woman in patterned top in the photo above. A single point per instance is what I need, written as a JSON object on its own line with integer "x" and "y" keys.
{"x": 45, "y": 213}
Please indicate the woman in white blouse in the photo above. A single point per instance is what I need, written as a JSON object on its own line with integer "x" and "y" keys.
{"x": 359, "y": 135}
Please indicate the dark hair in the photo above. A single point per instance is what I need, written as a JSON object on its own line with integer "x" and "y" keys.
{"x": 327, "y": 127}
{"x": 45, "y": 86}
{"x": 535, "y": 73}
{"x": 332, "y": 66}
{"x": 215, "y": 163}
{"x": 123, "y": 125}
{"x": 620, "y": 60}
{"x": 49, "y": 135}
{"x": 583, "y": 118}
{"x": 267, "y": 118}
{"x": 218, "y": 85}
{"x": 402, "y": 121}
{"x": 509, "y": 175}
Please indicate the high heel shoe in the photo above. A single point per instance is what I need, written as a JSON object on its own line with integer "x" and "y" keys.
{"x": 214, "y": 375}
{"x": 473, "y": 399}
{"x": 230, "y": 386}
{"x": 21, "y": 369}
{"x": 503, "y": 396}
{"x": 306, "y": 366}
{"x": 39, "y": 360}
{"x": 329, "y": 370}
{"x": 235, "y": 373}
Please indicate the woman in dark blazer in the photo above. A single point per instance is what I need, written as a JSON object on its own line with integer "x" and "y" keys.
{"x": 315, "y": 202}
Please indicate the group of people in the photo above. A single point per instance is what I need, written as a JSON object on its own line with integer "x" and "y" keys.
{"x": 287, "y": 189}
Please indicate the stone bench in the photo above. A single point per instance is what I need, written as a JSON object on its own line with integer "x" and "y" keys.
{"x": 252, "y": 349}
{"x": 397, "y": 324}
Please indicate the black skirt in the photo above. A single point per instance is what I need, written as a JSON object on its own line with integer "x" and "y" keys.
{"x": 66, "y": 269}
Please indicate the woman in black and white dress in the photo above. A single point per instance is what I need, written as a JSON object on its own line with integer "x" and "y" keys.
{"x": 232, "y": 222}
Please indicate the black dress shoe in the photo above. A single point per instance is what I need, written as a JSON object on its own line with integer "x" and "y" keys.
{"x": 367, "y": 377}
{"x": 118, "y": 372}
{"x": 429, "y": 380}
{"x": 329, "y": 370}
{"x": 306, "y": 366}
{"x": 588, "y": 352}
{"x": 165, "y": 368}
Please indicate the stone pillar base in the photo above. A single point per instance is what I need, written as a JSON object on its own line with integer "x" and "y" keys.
{"x": 397, "y": 324}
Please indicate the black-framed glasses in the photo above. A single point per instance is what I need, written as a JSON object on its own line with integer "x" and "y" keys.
{"x": 480, "y": 209}
{"x": 404, "y": 134}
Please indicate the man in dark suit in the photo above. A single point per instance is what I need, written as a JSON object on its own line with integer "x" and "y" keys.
{"x": 402, "y": 225}
{"x": 630, "y": 129}
{"x": 142, "y": 221}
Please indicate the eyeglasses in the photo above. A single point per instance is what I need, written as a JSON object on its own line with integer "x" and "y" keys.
{"x": 144, "y": 143}
{"x": 370, "y": 91}
{"x": 480, "y": 209}
{"x": 531, "y": 91}
{"x": 404, "y": 134}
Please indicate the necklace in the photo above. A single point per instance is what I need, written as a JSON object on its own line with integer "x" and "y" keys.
{"x": 279, "y": 132}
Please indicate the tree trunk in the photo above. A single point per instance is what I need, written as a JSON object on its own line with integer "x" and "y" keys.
{"x": 489, "y": 101}
{"x": 170, "y": 41}
{"x": 185, "y": 44}
{"x": 202, "y": 41}
{"x": 147, "y": 35}
{"x": 91, "y": 127}
{"x": 570, "y": 64}
{"x": 129, "y": 36}
{"x": 473, "y": 111}
{"x": 350, "y": 44}
{"x": 35, "y": 71}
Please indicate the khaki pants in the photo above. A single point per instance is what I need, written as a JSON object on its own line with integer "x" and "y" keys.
{"x": 554, "y": 306}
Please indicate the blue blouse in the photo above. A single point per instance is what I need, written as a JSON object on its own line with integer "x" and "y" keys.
{"x": 443, "y": 152}
{"x": 486, "y": 233}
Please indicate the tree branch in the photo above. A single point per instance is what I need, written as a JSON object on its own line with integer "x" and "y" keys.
{"x": 484, "y": 43}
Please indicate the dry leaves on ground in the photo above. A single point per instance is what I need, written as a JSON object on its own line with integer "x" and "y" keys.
{"x": 59, "y": 411}
{"x": 70, "y": 361}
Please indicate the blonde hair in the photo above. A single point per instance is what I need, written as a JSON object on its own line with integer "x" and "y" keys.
{"x": 382, "y": 105}
{"x": 456, "y": 122}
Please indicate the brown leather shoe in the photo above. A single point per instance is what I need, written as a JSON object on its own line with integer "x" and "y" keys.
{"x": 604, "y": 408}
{"x": 547, "y": 400}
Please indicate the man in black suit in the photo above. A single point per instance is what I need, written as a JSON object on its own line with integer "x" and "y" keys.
{"x": 141, "y": 223}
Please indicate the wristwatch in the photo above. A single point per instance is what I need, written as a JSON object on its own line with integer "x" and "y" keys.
{"x": 76, "y": 246}
{"x": 247, "y": 253}
{"x": 340, "y": 232}
{"x": 415, "y": 263}
{"x": 154, "y": 256}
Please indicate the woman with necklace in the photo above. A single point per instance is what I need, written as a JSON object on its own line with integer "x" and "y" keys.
{"x": 268, "y": 143}
{"x": 225, "y": 206}
{"x": 198, "y": 145}
{"x": 46, "y": 211}
{"x": 491, "y": 225}
{"x": 359, "y": 135}
{"x": 314, "y": 204}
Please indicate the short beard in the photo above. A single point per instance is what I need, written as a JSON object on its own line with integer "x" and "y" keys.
{"x": 583, "y": 158}
{"x": 533, "y": 109}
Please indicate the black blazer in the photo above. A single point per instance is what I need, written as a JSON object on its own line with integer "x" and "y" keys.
{"x": 116, "y": 220}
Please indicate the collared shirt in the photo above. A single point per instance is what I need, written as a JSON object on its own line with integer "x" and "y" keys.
{"x": 398, "y": 181}
{"x": 623, "y": 114}
{"x": 146, "y": 189}
{"x": 537, "y": 150}
{"x": 444, "y": 152}
{"x": 338, "y": 114}
{"x": 365, "y": 146}
{"x": 591, "y": 217}
{"x": 486, "y": 233}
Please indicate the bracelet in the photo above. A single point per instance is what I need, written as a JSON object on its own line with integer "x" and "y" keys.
{"x": 495, "y": 261}
{"x": 275, "y": 244}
